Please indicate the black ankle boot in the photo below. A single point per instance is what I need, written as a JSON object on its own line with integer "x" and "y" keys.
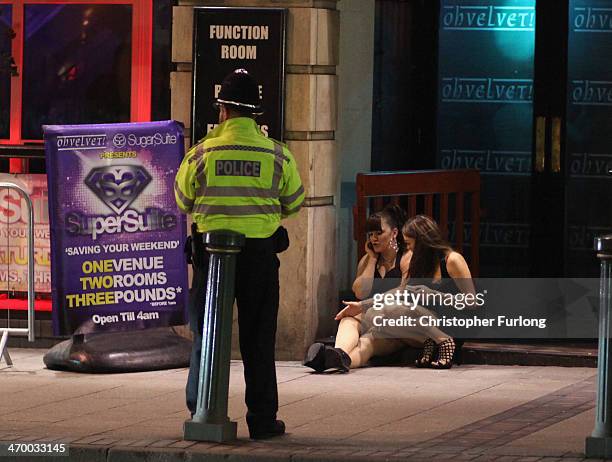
{"x": 337, "y": 358}
{"x": 315, "y": 357}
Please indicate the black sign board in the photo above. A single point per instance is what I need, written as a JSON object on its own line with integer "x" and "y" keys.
{"x": 226, "y": 39}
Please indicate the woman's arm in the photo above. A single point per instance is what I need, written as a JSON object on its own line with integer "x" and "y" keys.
{"x": 460, "y": 272}
{"x": 368, "y": 303}
{"x": 405, "y": 266}
{"x": 362, "y": 286}
{"x": 354, "y": 308}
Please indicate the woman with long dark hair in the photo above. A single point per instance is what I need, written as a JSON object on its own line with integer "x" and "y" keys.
{"x": 437, "y": 269}
{"x": 382, "y": 267}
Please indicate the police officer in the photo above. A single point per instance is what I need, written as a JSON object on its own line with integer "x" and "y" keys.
{"x": 235, "y": 178}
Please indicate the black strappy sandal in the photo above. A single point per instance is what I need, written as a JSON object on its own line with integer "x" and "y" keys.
{"x": 446, "y": 350}
{"x": 428, "y": 351}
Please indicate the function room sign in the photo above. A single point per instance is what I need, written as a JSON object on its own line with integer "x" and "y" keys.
{"x": 226, "y": 39}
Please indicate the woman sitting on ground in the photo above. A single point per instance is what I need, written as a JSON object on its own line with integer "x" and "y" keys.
{"x": 444, "y": 271}
{"x": 381, "y": 268}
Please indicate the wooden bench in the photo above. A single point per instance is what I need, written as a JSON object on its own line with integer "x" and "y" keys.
{"x": 440, "y": 194}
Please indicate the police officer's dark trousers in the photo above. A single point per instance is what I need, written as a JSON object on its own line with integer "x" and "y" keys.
{"x": 257, "y": 299}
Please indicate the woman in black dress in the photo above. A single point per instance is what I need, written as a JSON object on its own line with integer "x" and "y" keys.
{"x": 382, "y": 267}
{"x": 437, "y": 269}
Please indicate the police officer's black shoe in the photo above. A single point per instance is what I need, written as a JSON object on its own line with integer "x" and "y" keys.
{"x": 315, "y": 357}
{"x": 262, "y": 432}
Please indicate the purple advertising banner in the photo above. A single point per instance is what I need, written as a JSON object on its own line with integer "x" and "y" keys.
{"x": 117, "y": 235}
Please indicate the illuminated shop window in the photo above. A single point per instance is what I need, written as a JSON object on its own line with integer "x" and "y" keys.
{"x": 75, "y": 62}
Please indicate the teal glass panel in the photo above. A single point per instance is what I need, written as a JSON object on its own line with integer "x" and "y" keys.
{"x": 589, "y": 132}
{"x": 485, "y": 117}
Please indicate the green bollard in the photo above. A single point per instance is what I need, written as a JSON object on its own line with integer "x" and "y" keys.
{"x": 210, "y": 421}
{"x": 599, "y": 444}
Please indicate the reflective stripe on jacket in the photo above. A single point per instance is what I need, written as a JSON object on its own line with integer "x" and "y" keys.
{"x": 236, "y": 178}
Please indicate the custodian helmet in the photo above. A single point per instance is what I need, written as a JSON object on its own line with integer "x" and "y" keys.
{"x": 240, "y": 90}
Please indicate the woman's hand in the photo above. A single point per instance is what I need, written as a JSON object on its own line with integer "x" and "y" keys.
{"x": 370, "y": 250}
{"x": 351, "y": 309}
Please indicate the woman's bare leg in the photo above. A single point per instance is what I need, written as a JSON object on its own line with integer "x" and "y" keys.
{"x": 369, "y": 346}
{"x": 409, "y": 335}
{"x": 418, "y": 333}
{"x": 347, "y": 337}
{"x": 435, "y": 334}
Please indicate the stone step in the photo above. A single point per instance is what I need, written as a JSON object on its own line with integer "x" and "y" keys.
{"x": 530, "y": 354}
{"x": 507, "y": 353}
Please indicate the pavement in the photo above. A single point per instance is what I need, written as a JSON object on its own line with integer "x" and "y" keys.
{"x": 469, "y": 413}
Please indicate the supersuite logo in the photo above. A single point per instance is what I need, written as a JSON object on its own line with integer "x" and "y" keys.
{"x": 132, "y": 140}
{"x": 118, "y": 187}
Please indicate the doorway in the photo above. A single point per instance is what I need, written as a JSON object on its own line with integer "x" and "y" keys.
{"x": 525, "y": 96}
{"x": 523, "y": 93}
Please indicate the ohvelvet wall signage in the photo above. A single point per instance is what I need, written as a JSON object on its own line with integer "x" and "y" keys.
{"x": 588, "y": 135}
{"x": 485, "y": 117}
{"x": 116, "y": 233}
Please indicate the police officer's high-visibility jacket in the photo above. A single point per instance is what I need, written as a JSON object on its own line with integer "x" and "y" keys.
{"x": 236, "y": 178}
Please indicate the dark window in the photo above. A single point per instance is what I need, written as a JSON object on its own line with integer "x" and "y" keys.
{"x": 404, "y": 85}
{"x": 77, "y": 65}
{"x": 162, "y": 60}
{"x": 5, "y": 69}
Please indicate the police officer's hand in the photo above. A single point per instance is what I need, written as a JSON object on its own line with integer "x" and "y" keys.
{"x": 351, "y": 309}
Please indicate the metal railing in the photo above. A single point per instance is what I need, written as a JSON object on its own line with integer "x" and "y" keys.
{"x": 30, "y": 329}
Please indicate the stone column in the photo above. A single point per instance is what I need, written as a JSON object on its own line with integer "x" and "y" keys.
{"x": 308, "y": 294}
